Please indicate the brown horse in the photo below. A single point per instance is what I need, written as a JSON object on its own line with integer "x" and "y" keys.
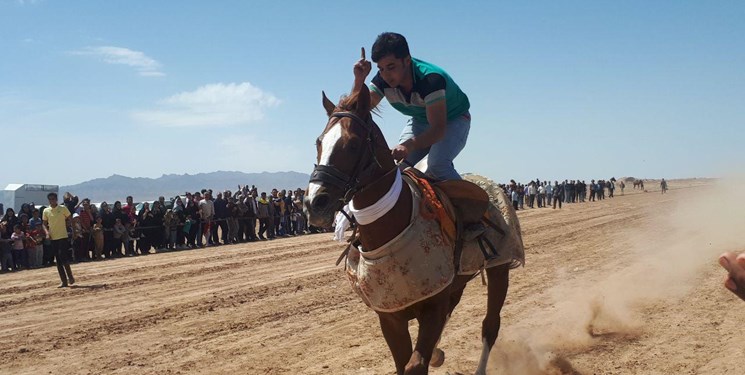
{"x": 354, "y": 161}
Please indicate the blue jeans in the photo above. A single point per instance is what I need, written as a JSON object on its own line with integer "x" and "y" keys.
{"x": 441, "y": 154}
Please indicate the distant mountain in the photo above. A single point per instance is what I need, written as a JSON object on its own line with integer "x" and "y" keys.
{"x": 117, "y": 187}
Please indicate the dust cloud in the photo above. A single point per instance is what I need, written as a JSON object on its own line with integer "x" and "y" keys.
{"x": 654, "y": 264}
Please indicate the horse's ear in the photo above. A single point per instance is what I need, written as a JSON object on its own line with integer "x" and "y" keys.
{"x": 328, "y": 104}
{"x": 363, "y": 101}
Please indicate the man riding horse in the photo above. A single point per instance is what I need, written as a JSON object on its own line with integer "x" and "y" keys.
{"x": 440, "y": 120}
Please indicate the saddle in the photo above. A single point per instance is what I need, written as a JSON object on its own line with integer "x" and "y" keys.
{"x": 465, "y": 205}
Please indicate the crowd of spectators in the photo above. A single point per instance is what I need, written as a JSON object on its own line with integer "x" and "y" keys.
{"x": 188, "y": 221}
{"x": 202, "y": 218}
{"x": 544, "y": 194}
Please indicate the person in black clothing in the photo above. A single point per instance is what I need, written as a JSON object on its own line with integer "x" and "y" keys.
{"x": 192, "y": 210}
{"x": 146, "y": 235}
{"x": 221, "y": 217}
{"x": 178, "y": 212}
{"x": 251, "y": 215}
{"x": 71, "y": 202}
{"x": 11, "y": 220}
{"x": 157, "y": 238}
{"x": 558, "y": 193}
{"x": 107, "y": 220}
{"x": 287, "y": 198}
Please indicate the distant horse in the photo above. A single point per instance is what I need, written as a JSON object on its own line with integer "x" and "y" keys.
{"x": 354, "y": 164}
{"x": 639, "y": 183}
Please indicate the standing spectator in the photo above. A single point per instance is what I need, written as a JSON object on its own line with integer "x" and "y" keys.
{"x": 300, "y": 218}
{"x": 541, "y": 194}
{"x": 179, "y": 219}
{"x": 87, "y": 219}
{"x": 663, "y": 186}
{"x": 158, "y": 210}
{"x": 97, "y": 233}
{"x": 221, "y": 220}
{"x": 71, "y": 202}
{"x": 129, "y": 209}
{"x": 623, "y": 186}
{"x": 197, "y": 220}
{"x": 80, "y": 252}
{"x": 36, "y": 232}
{"x": 558, "y": 193}
{"x": 515, "y": 198}
{"x": 251, "y": 215}
{"x": 20, "y": 255}
{"x": 11, "y": 220}
{"x": 25, "y": 209}
{"x": 531, "y": 194}
{"x": 191, "y": 213}
{"x": 108, "y": 229}
{"x": 207, "y": 213}
{"x": 156, "y": 234}
{"x": 170, "y": 221}
{"x": 593, "y": 190}
{"x": 6, "y": 256}
{"x": 120, "y": 237}
{"x": 264, "y": 216}
{"x": 145, "y": 235}
{"x": 288, "y": 212}
{"x": 273, "y": 216}
{"x": 35, "y": 220}
{"x": 56, "y": 219}
{"x": 275, "y": 211}
{"x": 124, "y": 220}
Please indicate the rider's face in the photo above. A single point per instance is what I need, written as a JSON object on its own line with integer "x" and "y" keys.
{"x": 394, "y": 71}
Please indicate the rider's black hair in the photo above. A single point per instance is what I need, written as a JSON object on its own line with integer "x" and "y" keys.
{"x": 390, "y": 43}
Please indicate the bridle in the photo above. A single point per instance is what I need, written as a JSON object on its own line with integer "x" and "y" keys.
{"x": 364, "y": 166}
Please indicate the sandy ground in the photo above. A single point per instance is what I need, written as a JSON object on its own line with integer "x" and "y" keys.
{"x": 628, "y": 285}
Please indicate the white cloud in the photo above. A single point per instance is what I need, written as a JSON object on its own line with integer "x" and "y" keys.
{"x": 216, "y": 104}
{"x": 145, "y": 65}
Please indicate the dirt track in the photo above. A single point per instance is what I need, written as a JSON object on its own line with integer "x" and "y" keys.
{"x": 281, "y": 307}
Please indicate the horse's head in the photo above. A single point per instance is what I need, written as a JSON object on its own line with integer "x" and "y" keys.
{"x": 351, "y": 153}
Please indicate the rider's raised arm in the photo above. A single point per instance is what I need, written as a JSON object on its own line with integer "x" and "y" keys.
{"x": 375, "y": 98}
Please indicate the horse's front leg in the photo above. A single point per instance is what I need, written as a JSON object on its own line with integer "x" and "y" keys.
{"x": 431, "y": 323}
{"x": 396, "y": 332}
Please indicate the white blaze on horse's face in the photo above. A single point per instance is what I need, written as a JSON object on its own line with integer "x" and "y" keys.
{"x": 328, "y": 142}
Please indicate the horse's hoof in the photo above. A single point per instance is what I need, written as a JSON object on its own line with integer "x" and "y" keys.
{"x": 438, "y": 358}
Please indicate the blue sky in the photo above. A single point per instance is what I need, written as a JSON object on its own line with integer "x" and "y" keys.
{"x": 558, "y": 89}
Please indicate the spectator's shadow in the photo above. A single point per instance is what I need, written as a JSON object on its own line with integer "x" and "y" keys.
{"x": 94, "y": 286}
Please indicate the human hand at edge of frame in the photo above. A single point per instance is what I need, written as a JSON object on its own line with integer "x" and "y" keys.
{"x": 735, "y": 265}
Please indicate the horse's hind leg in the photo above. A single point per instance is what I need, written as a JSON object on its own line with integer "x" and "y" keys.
{"x": 396, "y": 333}
{"x": 497, "y": 290}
